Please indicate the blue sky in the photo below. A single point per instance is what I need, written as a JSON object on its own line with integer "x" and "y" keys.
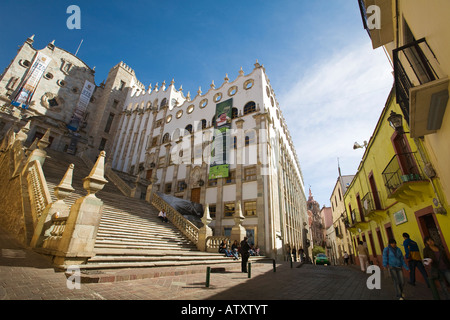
{"x": 330, "y": 84}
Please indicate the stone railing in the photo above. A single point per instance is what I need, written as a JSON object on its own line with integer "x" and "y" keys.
{"x": 39, "y": 194}
{"x": 213, "y": 243}
{"x": 183, "y": 224}
{"x": 119, "y": 183}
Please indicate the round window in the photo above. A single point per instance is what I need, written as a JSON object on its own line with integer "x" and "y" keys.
{"x": 232, "y": 91}
{"x": 217, "y": 97}
{"x": 169, "y": 118}
{"x": 190, "y": 109}
{"x": 203, "y": 103}
{"x": 179, "y": 114}
{"x": 248, "y": 84}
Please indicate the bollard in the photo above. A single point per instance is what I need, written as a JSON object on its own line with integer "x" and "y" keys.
{"x": 208, "y": 275}
{"x": 249, "y": 270}
{"x": 274, "y": 266}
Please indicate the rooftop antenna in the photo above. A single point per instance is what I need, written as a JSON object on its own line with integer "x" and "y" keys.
{"x": 78, "y": 47}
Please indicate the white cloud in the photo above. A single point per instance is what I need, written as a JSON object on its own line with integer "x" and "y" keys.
{"x": 330, "y": 106}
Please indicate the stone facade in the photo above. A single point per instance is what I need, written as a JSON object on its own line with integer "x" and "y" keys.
{"x": 162, "y": 136}
{"x": 57, "y": 95}
{"x": 165, "y": 136}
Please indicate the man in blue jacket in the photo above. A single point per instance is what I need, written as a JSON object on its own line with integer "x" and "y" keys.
{"x": 394, "y": 261}
{"x": 412, "y": 254}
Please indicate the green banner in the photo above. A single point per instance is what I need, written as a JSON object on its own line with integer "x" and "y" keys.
{"x": 219, "y": 167}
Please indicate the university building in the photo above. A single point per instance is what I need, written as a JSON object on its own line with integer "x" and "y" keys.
{"x": 169, "y": 138}
{"x": 228, "y": 148}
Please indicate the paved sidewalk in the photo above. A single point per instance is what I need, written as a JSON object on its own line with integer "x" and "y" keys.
{"x": 26, "y": 275}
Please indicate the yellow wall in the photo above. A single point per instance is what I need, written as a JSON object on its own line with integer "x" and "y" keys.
{"x": 430, "y": 20}
{"x": 377, "y": 156}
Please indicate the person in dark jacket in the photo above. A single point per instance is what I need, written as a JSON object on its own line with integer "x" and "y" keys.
{"x": 440, "y": 267}
{"x": 412, "y": 255}
{"x": 245, "y": 247}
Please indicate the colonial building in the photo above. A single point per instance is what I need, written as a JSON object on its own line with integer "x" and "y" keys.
{"x": 55, "y": 89}
{"x": 315, "y": 221}
{"x": 177, "y": 142}
{"x": 339, "y": 237}
{"x": 392, "y": 192}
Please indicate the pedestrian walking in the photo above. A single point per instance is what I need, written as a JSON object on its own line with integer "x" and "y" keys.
{"x": 412, "y": 255}
{"x": 346, "y": 257}
{"x": 363, "y": 256}
{"x": 294, "y": 253}
{"x": 394, "y": 261}
{"x": 440, "y": 267}
{"x": 245, "y": 247}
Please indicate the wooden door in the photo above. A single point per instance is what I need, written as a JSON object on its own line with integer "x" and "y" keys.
{"x": 195, "y": 195}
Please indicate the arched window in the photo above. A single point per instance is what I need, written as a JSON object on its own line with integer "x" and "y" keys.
{"x": 166, "y": 138}
{"x": 234, "y": 113}
{"x": 189, "y": 128}
{"x": 163, "y": 103}
{"x": 203, "y": 123}
{"x": 249, "y": 107}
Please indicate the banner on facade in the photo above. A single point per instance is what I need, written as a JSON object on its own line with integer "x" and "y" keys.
{"x": 83, "y": 102}
{"x": 219, "y": 165}
{"x": 31, "y": 81}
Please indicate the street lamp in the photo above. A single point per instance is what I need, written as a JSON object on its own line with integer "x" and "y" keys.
{"x": 396, "y": 122}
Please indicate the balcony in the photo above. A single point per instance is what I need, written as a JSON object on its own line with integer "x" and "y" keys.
{"x": 404, "y": 179}
{"x": 353, "y": 224}
{"x": 421, "y": 87}
{"x": 372, "y": 208}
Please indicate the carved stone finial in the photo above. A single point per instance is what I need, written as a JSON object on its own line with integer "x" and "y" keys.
{"x": 30, "y": 40}
{"x": 206, "y": 219}
{"x": 188, "y": 97}
{"x": 241, "y": 72}
{"x": 22, "y": 135}
{"x": 95, "y": 181}
{"x": 257, "y": 65}
{"x": 226, "y": 77}
{"x": 44, "y": 141}
{"x": 64, "y": 188}
{"x": 238, "y": 216}
{"x": 213, "y": 86}
{"x": 199, "y": 92}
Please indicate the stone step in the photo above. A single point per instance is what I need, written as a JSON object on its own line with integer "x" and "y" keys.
{"x": 130, "y": 235}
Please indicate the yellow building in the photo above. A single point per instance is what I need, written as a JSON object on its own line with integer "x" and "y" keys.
{"x": 415, "y": 35}
{"x": 392, "y": 193}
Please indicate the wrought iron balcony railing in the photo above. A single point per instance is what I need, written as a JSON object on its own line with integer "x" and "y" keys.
{"x": 371, "y": 202}
{"x": 402, "y": 168}
{"x": 412, "y": 67}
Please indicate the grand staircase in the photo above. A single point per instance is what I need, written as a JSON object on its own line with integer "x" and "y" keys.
{"x": 130, "y": 233}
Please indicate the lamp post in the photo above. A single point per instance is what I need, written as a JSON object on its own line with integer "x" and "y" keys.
{"x": 396, "y": 122}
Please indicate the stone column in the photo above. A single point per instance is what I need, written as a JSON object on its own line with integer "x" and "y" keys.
{"x": 78, "y": 239}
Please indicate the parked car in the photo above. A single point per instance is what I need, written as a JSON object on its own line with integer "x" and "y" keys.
{"x": 322, "y": 259}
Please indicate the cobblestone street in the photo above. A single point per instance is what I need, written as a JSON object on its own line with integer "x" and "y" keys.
{"x": 25, "y": 275}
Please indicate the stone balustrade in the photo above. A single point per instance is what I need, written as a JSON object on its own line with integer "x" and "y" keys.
{"x": 213, "y": 243}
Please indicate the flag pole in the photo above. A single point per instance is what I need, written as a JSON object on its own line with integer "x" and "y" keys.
{"x": 78, "y": 47}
